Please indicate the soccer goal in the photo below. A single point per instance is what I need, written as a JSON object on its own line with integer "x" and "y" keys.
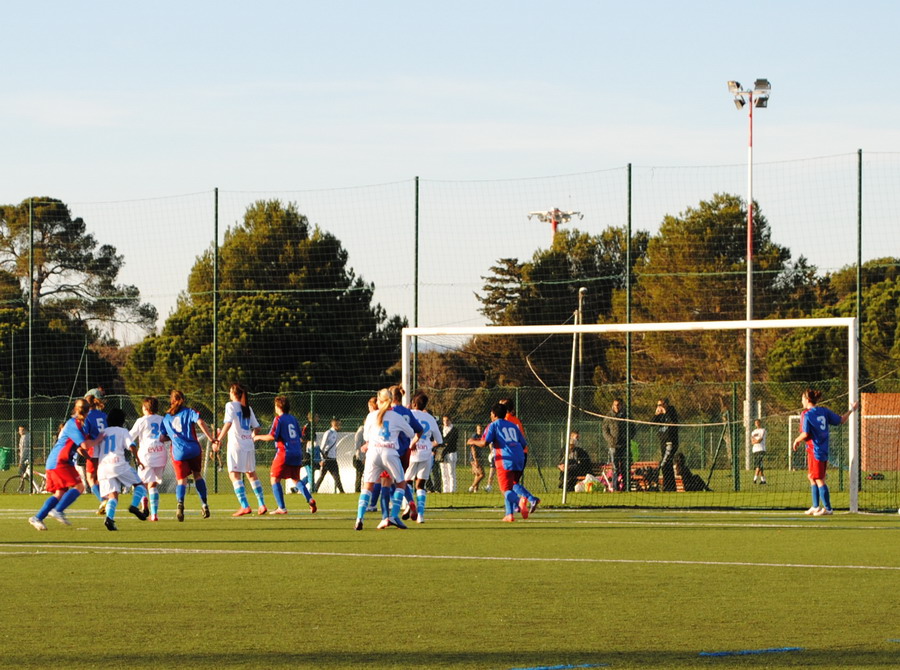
{"x": 563, "y": 380}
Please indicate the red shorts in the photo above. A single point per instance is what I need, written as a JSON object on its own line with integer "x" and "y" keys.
{"x": 63, "y": 476}
{"x": 816, "y": 468}
{"x": 183, "y": 469}
{"x": 507, "y": 478}
{"x": 90, "y": 465}
{"x": 281, "y": 471}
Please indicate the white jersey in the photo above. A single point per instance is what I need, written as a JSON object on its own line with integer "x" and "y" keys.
{"x": 430, "y": 433}
{"x": 110, "y": 452}
{"x": 385, "y": 435}
{"x": 145, "y": 432}
{"x": 761, "y": 445}
{"x": 240, "y": 435}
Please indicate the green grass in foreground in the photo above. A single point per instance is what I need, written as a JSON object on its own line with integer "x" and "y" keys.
{"x": 622, "y": 588}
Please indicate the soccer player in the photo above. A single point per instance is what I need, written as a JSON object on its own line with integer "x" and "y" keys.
{"x": 114, "y": 472}
{"x": 288, "y": 453}
{"x": 397, "y": 405}
{"x": 382, "y": 430}
{"x": 63, "y": 480}
{"x": 814, "y": 431}
{"x": 146, "y": 433}
{"x": 421, "y": 458}
{"x": 240, "y": 426}
{"x": 180, "y": 426}
{"x": 94, "y": 423}
{"x": 527, "y": 502}
{"x": 507, "y": 443}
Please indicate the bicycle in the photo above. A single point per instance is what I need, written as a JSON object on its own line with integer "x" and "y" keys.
{"x": 23, "y": 483}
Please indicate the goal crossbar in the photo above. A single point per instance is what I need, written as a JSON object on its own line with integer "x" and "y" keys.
{"x": 410, "y": 334}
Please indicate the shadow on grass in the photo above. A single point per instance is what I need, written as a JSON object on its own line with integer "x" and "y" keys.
{"x": 231, "y": 656}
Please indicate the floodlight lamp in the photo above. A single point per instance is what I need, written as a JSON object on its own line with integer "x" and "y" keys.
{"x": 739, "y": 103}
{"x": 762, "y": 85}
{"x": 761, "y": 102}
{"x": 734, "y": 87}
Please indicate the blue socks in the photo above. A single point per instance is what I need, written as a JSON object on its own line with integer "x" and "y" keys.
{"x": 258, "y": 491}
{"x": 111, "y": 506}
{"x": 420, "y": 502}
{"x": 385, "y": 499}
{"x": 241, "y": 493}
{"x": 397, "y": 502}
{"x": 139, "y": 493}
{"x": 522, "y": 492}
{"x": 201, "y": 489}
{"x": 814, "y": 490}
{"x": 278, "y": 490}
{"x": 301, "y": 486}
{"x": 67, "y": 499}
{"x": 365, "y": 497}
{"x": 180, "y": 490}
{"x": 95, "y": 489}
{"x": 49, "y": 504}
{"x": 511, "y": 500}
{"x": 154, "y": 501}
{"x": 825, "y": 496}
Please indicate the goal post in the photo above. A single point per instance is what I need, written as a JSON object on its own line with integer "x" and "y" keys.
{"x": 410, "y": 336}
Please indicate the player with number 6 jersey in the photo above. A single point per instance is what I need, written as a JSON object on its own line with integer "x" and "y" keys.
{"x": 288, "y": 459}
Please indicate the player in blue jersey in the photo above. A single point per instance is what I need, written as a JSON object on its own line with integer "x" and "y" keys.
{"x": 421, "y": 458}
{"x": 814, "y": 431}
{"x": 114, "y": 472}
{"x": 382, "y": 430}
{"x": 397, "y": 393}
{"x": 180, "y": 426}
{"x": 288, "y": 455}
{"x": 94, "y": 423}
{"x": 508, "y": 446}
{"x": 63, "y": 480}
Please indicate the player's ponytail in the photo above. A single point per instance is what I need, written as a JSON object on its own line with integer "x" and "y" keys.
{"x": 240, "y": 393}
{"x": 813, "y": 396}
{"x": 176, "y": 401}
{"x": 81, "y": 409}
{"x": 384, "y": 404}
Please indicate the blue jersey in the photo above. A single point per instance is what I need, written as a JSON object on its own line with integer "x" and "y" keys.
{"x": 71, "y": 437}
{"x": 815, "y": 424}
{"x": 286, "y": 431}
{"x": 95, "y": 423}
{"x": 507, "y": 444}
{"x": 180, "y": 429}
{"x": 402, "y": 439}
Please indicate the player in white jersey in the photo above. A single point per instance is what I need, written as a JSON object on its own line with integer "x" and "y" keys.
{"x": 240, "y": 426}
{"x": 381, "y": 431}
{"x": 421, "y": 459}
{"x": 114, "y": 472}
{"x": 146, "y": 433}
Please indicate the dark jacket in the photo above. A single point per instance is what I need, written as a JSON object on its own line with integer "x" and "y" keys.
{"x": 616, "y": 432}
{"x": 668, "y": 429}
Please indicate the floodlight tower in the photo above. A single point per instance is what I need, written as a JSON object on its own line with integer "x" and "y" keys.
{"x": 555, "y": 217}
{"x": 758, "y": 96}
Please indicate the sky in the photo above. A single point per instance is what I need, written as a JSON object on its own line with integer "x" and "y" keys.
{"x": 112, "y": 101}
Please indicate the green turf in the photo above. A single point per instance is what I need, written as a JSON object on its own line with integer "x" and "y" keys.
{"x": 623, "y": 588}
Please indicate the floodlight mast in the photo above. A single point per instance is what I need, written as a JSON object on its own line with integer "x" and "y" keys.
{"x": 555, "y": 217}
{"x": 758, "y": 96}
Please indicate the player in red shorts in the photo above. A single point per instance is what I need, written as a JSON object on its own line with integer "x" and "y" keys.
{"x": 507, "y": 443}
{"x": 180, "y": 426}
{"x": 63, "y": 480}
{"x": 288, "y": 455}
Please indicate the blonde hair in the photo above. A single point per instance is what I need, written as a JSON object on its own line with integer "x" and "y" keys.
{"x": 176, "y": 401}
{"x": 384, "y": 404}
{"x": 81, "y": 409}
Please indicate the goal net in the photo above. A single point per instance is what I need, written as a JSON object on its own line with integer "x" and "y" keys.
{"x": 563, "y": 379}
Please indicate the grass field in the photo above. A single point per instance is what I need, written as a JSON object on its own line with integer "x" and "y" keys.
{"x": 613, "y": 588}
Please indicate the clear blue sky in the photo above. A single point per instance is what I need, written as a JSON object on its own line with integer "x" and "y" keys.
{"x": 119, "y": 100}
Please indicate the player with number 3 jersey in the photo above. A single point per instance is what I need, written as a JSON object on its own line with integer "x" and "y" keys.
{"x": 147, "y": 433}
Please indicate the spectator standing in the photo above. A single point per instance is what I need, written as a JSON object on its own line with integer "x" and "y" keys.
{"x": 667, "y": 418}
{"x": 476, "y": 460}
{"x": 758, "y": 440}
{"x": 24, "y": 449}
{"x": 615, "y": 431}
{"x": 450, "y": 455}
{"x": 329, "y": 464}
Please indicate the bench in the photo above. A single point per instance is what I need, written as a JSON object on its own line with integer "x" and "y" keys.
{"x": 639, "y": 482}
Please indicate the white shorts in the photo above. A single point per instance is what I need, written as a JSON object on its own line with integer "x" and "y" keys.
{"x": 123, "y": 478}
{"x": 241, "y": 460}
{"x": 151, "y": 475}
{"x": 379, "y": 459}
{"x": 419, "y": 469}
